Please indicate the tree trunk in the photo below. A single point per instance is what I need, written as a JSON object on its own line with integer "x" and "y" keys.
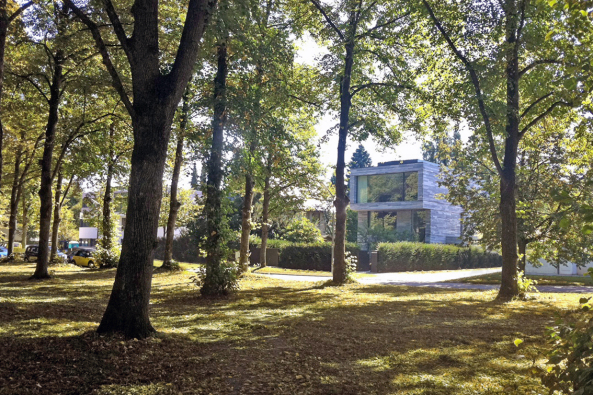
{"x": 264, "y": 225}
{"x": 246, "y": 223}
{"x": 508, "y": 212}
{"x": 57, "y": 217}
{"x": 4, "y": 22}
{"x": 127, "y": 310}
{"x": 45, "y": 209}
{"x": 341, "y": 202}
{"x": 107, "y": 231}
{"x": 174, "y": 203}
{"x": 213, "y": 205}
{"x": 14, "y": 200}
{"x": 25, "y": 221}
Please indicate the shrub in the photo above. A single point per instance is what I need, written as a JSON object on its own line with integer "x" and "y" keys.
{"x": 409, "y": 256}
{"x": 312, "y": 256}
{"x": 107, "y": 257}
{"x": 570, "y": 360}
{"x": 223, "y": 281}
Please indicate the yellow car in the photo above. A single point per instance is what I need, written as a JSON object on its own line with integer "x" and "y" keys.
{"x": 84, "y": 258}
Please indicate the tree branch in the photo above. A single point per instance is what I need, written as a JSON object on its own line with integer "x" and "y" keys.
{"x": 305, "y": 101}
{"x": 328, "y": 20}
{"x": 19, "y": 11}
{"x": 382, "y": 25}
{"x": 198, "y": 13}
{"x": 118, "y": 29}
{"x": 116, "y": 81}
{"x": 543, "y": 115}
{"x": 535, "y": 103}
{"x": 476, "y": 82}
{"x": 537, "y": 63}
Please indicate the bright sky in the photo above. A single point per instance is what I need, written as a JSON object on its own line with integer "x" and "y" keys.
{"x": 410, "y": 148}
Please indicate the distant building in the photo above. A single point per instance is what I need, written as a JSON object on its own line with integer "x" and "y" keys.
{"x": 401, "y": 197}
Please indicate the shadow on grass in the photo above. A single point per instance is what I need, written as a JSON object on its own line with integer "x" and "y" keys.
{"x": 271, "y": 337}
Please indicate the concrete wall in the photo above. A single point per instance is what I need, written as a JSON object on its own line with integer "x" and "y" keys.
{"x": 445, "y": 227}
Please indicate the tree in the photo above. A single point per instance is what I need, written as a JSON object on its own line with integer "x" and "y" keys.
{"x": 156, "y": 94}
{"x": 439, "y": 148}
{"x": 371, "y": 78}
{"x": 7, "y": 16}
{"x": 502, "y": 50}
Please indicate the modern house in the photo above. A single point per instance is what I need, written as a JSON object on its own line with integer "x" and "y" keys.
{"x": 401, "y": 198}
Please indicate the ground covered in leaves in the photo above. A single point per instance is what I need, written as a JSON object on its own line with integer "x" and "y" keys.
{"x": 494, "y": 278}
{"x": 273, "y": 337}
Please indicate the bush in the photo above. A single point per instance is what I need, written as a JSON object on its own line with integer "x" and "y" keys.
{"x": 410, "y": 256}
{"x": 312, "y": 256}
{"x": 223, "y": 281}
{"x": 107, "y": 257}
{"x": 185, "y": 249}
{"x": 570, "y": 360}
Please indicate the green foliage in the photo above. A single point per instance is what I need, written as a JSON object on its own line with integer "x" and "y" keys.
{"x": 107, "y": 257}
{"x": 312, "y": 256}
{"x": 302, "y": 231}
{"x": 223, "y": 279}
{"x": 351, "y": 226}
{"x": 570, "y": 359}
{"x": 409, "y": 256}
{"x": 525, "y": 284}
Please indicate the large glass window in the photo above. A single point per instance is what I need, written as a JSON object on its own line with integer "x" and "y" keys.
{"x": 395, "y": 187}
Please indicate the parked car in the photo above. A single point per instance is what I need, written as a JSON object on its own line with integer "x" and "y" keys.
{"x": 74, "y": 251}
{"x": 84, "y": 258}
{"x": 3, "y": 252}
{"x": 31, "y": 252}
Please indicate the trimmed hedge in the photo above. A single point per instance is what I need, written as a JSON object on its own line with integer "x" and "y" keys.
{"x": 409, "y": 256}
{"x": 315, "y": 256}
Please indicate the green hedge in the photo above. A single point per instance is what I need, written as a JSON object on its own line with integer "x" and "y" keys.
{"x": 316, "y": 256}
{"x": 409, "y": 256}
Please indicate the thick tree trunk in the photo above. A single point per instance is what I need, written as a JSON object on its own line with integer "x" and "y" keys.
{"x": 57, "y": 217}
{"x": 14, "y": 200}
{"x": 213, "y": 205}
{"x": 25, "y": 225}
{"x": 174, "y": 203}
{"x": 341, "y": 202}
{"x": 45, "y": 197}
{"x": 508, "y": 212}
{"x": 127, "y": 310}
{"x": 263, "y": 261}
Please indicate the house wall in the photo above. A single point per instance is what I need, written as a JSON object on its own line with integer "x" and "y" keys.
{"x": 443, "y": 224}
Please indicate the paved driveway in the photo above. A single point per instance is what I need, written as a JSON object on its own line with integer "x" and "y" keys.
{"x": 433, "y": 279}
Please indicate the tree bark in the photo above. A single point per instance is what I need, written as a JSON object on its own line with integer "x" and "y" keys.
{"x": 57, "y": 217}
{"x": 45, "y": 197}
{"x": 14, "y": 200}
{"x": 263, "y": 262}
{"x": 341, "y": 202}
{"x": 3, "y": 32}
{"x": 213, "y": 205}
{"x": 174, "y": 204}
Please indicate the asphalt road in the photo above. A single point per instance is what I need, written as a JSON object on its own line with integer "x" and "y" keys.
{"x": 434, "y": 279}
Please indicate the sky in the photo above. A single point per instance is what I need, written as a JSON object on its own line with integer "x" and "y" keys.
{"x": 410, "y": 148}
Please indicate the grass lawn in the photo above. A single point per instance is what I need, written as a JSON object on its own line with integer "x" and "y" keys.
{"x": 272, "y": 337}
{"x": 494, "y": 278}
